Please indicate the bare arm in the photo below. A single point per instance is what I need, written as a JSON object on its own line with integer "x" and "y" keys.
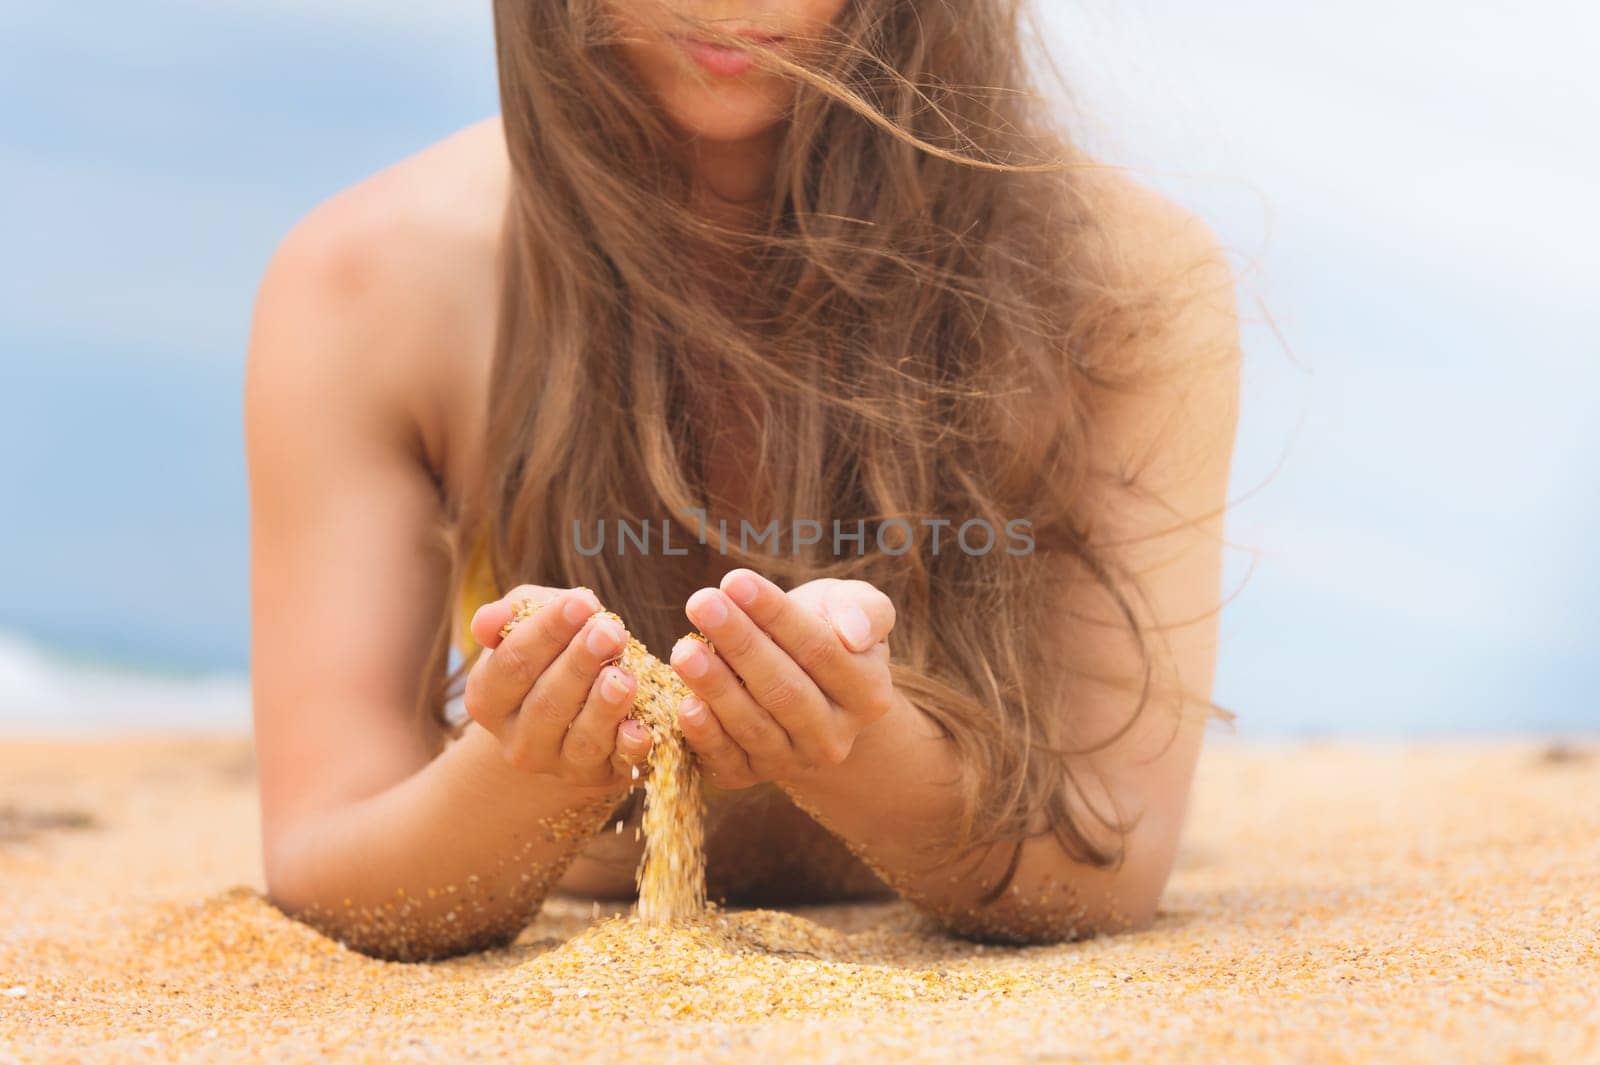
{"x": 1179, "y": 441}
{"x": 375, "y": 829}
{"x": 877, "y": 771}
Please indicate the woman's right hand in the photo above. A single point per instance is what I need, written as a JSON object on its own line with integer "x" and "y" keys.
{"x": 550, "y": 692}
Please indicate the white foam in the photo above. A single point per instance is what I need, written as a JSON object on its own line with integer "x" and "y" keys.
{"x": 43, "y": 693}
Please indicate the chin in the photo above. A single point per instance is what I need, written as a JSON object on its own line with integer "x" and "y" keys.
{"x": 725, "y": 116}
{"x": 714, "y": 109}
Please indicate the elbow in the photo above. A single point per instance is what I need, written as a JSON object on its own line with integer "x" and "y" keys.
{"x": 317, "y": 885}
{"x": 395, "y": 927}
{"x": 1048, "y": 907}
{"x": 388, "y": 932}
{"x": 300, "y": 892}
{"x": 291, "y": 881}
{"x": 1133, "y": 911}
{"x": 1045, "y": 924}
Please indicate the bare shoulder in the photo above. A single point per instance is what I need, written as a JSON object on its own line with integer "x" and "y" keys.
{"x": 419, "y": 222}
{"x": 1176, "y": 418}
{"x": 379, "y": 288}
{"x": 1150, "y": 235}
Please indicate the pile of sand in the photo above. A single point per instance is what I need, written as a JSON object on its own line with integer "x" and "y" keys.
{"x": 1332, "y": 903}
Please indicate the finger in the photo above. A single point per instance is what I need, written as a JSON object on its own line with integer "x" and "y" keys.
{"x": 809, "y": 632}
{"x": 490, "y": 618}
{"x": 501, "y": 679}
{"x": 632, "y": 747}
{"x": 859, "y": 614}
{"x": 772, "y": 676}
{"x": 741, "y": 717}
{"x": 864, "y": 617}
{"x": 592, "y": 738}
{"x": 721, "y": 760}
{"x": 557, "y": 697}
{"x": 802, "y": 631}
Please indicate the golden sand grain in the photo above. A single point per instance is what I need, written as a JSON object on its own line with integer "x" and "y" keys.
{"x": 672, "y": 872}
{"x": 1333, "y": 903}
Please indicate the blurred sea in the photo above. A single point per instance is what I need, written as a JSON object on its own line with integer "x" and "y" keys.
{"x": 44, "y": 692}
{"x": 50, "y": 694}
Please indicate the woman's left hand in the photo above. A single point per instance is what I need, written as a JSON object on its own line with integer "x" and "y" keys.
{"x": 793, "y": 680}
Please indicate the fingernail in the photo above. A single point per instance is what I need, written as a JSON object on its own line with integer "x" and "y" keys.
{"x": 633, "y": 732}
{"x": 851, "y": 623}
{"x": 692, "y": 710}
{"x": 688, "y": 659}
{"x": 706, "y": 609}
{"x": 741, "y": 588}
{"x": 603, "y": 639}
{"x": 614, "y": 687}
{"x": 577, "y": 609}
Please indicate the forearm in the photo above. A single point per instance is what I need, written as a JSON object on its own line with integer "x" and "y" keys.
{"x": 895, "y": 801}
{"x": 456, "y": 857}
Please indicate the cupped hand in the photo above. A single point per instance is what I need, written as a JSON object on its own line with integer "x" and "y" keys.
{"x": 550, "y": 691}
{"x": 792, "y": 681}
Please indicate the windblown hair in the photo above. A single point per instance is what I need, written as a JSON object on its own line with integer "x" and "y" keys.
{"x": 911, "y": 327}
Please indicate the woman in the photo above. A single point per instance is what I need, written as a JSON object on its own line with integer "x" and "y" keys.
{"x": 934, "y": 415}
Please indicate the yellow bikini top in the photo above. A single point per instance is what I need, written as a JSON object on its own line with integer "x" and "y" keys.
{"x": 477, "y": 588}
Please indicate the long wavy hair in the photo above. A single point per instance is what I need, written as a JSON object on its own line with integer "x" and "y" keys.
{"x": 911, "y": 323}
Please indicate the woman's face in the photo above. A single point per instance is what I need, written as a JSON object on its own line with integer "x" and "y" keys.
{"x": 717, "y": 96}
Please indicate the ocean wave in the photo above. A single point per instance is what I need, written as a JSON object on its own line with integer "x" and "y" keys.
{"x": 46, "y": 693}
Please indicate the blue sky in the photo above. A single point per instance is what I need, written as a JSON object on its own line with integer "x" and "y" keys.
{"x": 1406, "y": 190}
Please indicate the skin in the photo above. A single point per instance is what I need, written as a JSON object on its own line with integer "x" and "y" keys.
{"x": 732, "y": 125}
{"x": 377, "y": 313}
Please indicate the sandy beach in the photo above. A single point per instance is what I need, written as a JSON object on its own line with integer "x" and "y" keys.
{"x": 1333, "y": 902}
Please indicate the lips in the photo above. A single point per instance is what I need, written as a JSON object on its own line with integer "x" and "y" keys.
{"x": 724, "y": 61}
